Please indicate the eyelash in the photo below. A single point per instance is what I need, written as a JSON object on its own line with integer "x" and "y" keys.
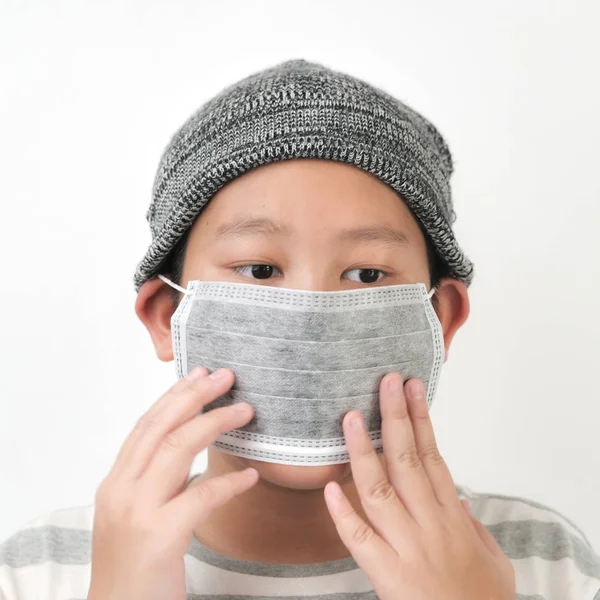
{"x": 242, "y": 270}
{"x": 242, "y": 267}
{"x": 382, "y": 273}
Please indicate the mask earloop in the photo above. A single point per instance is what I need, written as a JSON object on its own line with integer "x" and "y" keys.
{"x": 431, "y": 293}
{"x": 173, "y": 285}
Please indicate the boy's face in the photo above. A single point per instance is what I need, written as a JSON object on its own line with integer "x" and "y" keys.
{"x": 316, "y": 223}
{"x": 304, "y": 224}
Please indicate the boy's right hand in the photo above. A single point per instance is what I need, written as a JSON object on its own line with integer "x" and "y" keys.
{"x": 144, "y": 513}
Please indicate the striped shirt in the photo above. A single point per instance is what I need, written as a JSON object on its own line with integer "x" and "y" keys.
{"x": 49, "y": 559}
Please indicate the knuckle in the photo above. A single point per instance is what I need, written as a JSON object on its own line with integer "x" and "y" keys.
{"x": 214, "y": 421}
{"x": 367, "y": 451}
{"x": 225, "y": 419}
{"x": 229, "y": 479}
{"x": 201, "y": 387}
{"x": 204, "y": 493}
{"x": 148, "y": 423}
{"x": 423, "y": 417}
{"x": 112, "y": 505}
{"x": 431, "y": 454}
{"x": 103, "y": 493}
{"x": 230, "y": 484}
{"x": 382, "y": 491}
{"x": 408, "y": 457}
{"x": 399, "y": 411}
{"x": 173, "y": 442}
{"x": 362, "y": 534}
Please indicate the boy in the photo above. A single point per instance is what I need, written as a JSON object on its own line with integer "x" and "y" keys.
{"x": 301, "y": 221}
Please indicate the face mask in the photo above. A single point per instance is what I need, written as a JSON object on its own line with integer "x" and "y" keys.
{"x": 304, "y": 359}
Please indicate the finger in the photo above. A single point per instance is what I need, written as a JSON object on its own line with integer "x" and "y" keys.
{"x": 403, "y": 461}
{"x": 486, "y": 537}
{"x": 175, "y": 390}
{"x": 377, "y": 495}
{"x": 371, "y": 552}
{"x": 178, "y": 408}
{"x": 170, "y": 466}
{"x": 194, "y": 505}
{"x": 431, "y": 459}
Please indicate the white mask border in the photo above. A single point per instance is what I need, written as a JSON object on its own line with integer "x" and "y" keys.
{"x": 185, "y": 291}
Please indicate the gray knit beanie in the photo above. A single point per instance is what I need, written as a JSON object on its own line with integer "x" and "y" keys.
{"x": 300, "y": 109}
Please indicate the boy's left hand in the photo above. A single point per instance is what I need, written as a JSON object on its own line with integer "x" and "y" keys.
{"x": 421, "y": 543}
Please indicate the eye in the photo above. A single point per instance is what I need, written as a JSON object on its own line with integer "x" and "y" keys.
{"x": 258, "y": 271}
{"x": 364, "y": 275}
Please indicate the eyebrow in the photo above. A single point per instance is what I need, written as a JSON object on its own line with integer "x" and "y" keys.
{"x": 376, "y": 233}
{"x": 249, "y": 226}
{"x": 246, "y": 225}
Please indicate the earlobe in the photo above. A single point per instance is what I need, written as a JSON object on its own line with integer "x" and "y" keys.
{"x": 453, "y": 308}
{"x": 154, "y": 307}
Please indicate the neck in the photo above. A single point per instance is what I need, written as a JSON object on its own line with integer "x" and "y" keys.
{"x": 271, "y": 523}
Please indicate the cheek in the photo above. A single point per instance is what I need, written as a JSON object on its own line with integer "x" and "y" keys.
{"x": 202, "y": 270}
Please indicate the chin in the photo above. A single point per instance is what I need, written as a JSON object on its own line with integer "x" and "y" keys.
{"x": 301, "y": 477}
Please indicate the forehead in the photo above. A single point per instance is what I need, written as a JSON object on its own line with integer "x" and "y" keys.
{"x": 310, "y": 193}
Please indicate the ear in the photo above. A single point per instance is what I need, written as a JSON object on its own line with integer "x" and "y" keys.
{"x": 452, "y": 308}
{"x": 154, "y": 307}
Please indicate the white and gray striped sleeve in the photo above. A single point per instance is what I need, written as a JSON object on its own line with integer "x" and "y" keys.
{"x": 552, "y": 557}
{"x": 49, "y": 558}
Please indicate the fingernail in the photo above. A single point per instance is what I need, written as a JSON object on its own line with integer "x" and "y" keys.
{"x": 251, "y": 473}
{"x": 218, "y": 374}
{"x": 416, "y": 389}
{"x": 195, "y": 373}
{"x": 395, "y": 384}
{"x": 356, "y": 423}
{"x": 334, "y": 490}
{"x": 241, "y": 407}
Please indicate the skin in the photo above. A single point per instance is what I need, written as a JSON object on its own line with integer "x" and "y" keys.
{"x": 313, "y": 207}
{"x": 397, "y": 514}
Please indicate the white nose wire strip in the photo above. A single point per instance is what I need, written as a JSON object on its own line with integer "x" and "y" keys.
{"x": 173, "y": 285}
{"x": 184, "y": 291}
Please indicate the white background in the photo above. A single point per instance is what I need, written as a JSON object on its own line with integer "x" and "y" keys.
{"x": 91, "y": 93}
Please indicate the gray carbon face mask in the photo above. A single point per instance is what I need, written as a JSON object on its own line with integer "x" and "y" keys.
{"x": 304, "y": 359}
